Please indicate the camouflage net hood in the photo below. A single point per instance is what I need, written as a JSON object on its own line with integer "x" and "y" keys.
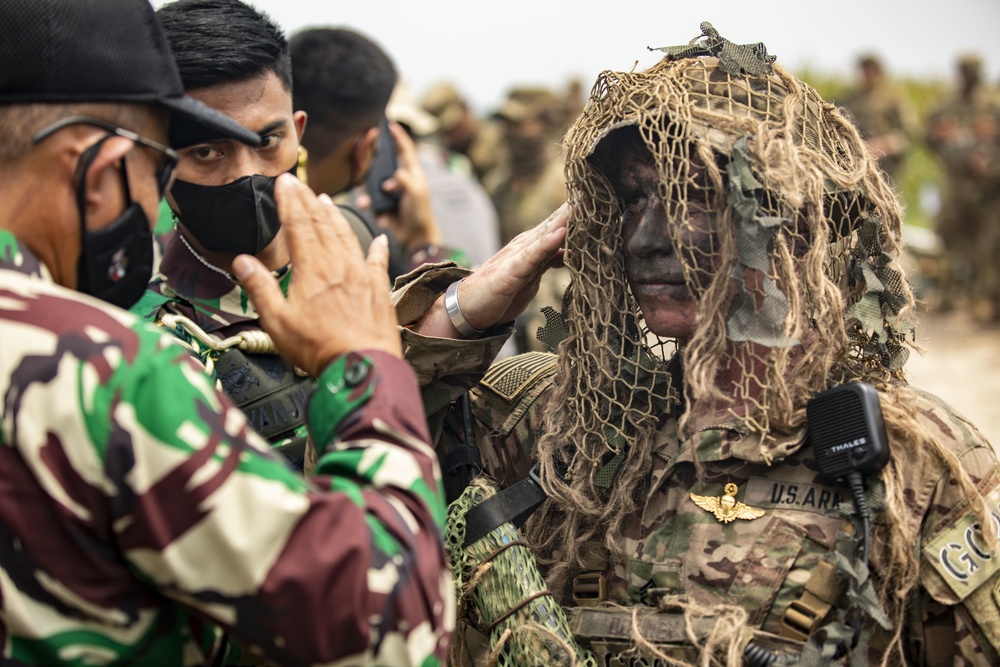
{"x": 804, "y": 263}
{"x": 800, "y": 287}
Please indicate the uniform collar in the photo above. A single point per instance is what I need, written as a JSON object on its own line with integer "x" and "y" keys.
{"x": 211, "y": 299}
{"x": 727, "y": 440}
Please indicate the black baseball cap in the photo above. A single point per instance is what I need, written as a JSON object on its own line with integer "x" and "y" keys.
{"x": 73, "y": 51}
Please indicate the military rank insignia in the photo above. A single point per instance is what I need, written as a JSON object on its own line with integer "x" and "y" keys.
{"x": 726, "y": 508}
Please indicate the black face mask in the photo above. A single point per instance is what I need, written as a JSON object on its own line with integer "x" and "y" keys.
{"x": 238, "y": 217}
{"x": 116, "y": 263}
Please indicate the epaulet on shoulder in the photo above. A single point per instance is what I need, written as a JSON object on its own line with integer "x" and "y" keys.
{"x": 511, "y": 385}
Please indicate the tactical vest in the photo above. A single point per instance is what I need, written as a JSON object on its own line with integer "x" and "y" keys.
{"x": 509, "y": 601}
{"x": 271, "y": 393}
{"x": 273, "y": 396}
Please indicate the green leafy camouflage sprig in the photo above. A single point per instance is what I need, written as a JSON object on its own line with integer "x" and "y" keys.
{"x": 734, "y": 59}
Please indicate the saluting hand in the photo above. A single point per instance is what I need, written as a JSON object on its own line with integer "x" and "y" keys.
{"x": 507, "y": 282}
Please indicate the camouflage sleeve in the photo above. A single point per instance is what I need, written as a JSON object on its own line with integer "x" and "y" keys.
{"x": 351, "y": 567}
{"x": 446, "y": 368}
{"x": 506, "y": 410}
{"x": 956, "y": 620}
{"x": 140, "y": 483}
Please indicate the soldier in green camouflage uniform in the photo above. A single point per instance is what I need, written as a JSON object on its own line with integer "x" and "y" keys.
{"x": 964, "y": 135}
{"x": 141, "y": 515}
{"x": 884, "y": 116}
{"x": 236, "y": 60}
{"x": 228, "y": 54}
{"x": 725, "y": 271}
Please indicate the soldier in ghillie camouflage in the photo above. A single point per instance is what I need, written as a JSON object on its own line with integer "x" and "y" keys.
{"x": 734, "y": 252}
{"x": 141, "y": 516}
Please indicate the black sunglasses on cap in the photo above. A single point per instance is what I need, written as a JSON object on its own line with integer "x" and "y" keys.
{"x": 170, "y": 157}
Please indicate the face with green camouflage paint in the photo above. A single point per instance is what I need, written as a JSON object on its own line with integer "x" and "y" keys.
{"x": 662, "y": 278}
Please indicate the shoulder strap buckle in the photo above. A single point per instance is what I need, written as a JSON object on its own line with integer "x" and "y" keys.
{"x": 590, "y": 588}
{"x": 804, "y": 616}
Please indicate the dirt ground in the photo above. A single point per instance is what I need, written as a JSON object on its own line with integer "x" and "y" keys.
{"x": 961, "y": 364}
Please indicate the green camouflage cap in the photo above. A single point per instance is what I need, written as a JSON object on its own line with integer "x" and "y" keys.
{"x": 526, "y": 103}
{"x": 444, "y": 103}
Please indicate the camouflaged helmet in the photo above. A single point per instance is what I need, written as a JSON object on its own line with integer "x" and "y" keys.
{"x": 805, "y": 282}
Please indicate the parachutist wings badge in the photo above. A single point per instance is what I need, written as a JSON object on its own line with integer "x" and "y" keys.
{"x": 727, "y": 508}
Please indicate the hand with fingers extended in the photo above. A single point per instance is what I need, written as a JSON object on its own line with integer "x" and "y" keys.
{"x": 506, "y": 283}
{"x": 337, "y": 300}
{"x": 413, "y": 224}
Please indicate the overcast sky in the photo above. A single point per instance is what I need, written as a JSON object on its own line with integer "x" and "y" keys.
{"x": 485, "y": 48}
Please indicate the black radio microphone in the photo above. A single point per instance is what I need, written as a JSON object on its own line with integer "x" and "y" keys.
{"x": 848, "y": 435}
{"x": 847, "y": 431}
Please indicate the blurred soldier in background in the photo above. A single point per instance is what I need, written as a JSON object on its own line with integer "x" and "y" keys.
{"x": 463, "y": 210}
{"x": 531, "y": 181}
{"x": 529, "y": 185}
{"x": 963, "y": 134}
{"x": 887, "y": 121}
{"x": 883, "y": 114}
{"x": 463, "y": 131}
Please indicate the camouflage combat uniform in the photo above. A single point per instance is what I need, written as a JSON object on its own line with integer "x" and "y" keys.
{"x": 969, "y": 155}
{"x": 141, "y": 513}
{"x": 886, "y": 121}
{"x": 262, "y": 384}
{"x": 763, "y": 565}
{"x": 681, "y": 552}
